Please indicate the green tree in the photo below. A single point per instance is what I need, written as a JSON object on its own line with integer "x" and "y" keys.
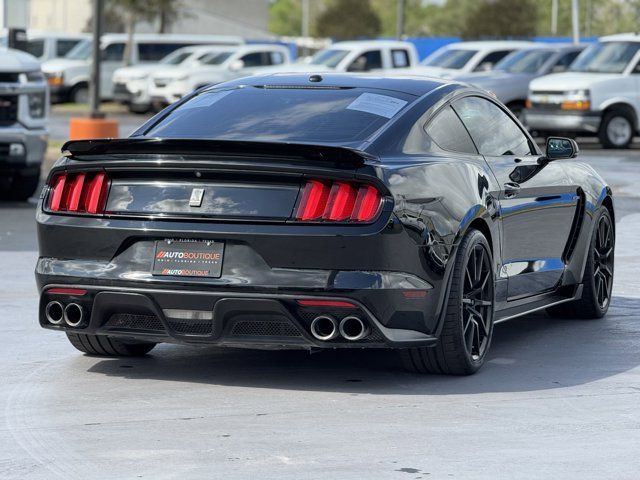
{"x": 501, "y": 18}
{"x": 347, "y": 19}
{"x": 285, "y": 17}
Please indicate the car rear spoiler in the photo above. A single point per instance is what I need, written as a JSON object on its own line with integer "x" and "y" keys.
{"x": 164, "y": 146}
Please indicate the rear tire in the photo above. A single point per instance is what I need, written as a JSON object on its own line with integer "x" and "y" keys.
{"x": 598, "y": 274}
{"x": 79, "y": 94}
{"x": 616, "y": 130}
{"x": 105, "y": 346}
{"x": 468, "y": 324}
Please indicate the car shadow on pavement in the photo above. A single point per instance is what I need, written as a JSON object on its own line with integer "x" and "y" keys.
{"x": 531, "y": 353}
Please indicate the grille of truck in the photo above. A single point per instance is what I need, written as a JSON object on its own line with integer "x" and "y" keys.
{"x": 8, "y": 109}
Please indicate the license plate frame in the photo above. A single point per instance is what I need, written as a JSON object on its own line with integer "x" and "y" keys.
{"x": 188, "y": 258}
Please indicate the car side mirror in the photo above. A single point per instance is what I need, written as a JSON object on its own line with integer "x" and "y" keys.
{"x": 236, "y": 65}
{"x": 559, "y": 148}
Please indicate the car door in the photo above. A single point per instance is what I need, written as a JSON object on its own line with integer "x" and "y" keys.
{"x": 537, "y": 203}
{"x": 112, "y": 56}
{"x": 366, "y": 61}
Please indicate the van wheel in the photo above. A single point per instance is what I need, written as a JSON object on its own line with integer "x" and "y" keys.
{"x": 105, "y": 346}
{"x": 616, "y": 130}
{"x": 79, "y": 94}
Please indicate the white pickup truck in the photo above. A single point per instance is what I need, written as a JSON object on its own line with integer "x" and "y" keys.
{"x": 598, "y": 95}
{"x": 357, "y": 56}
{"x": 23, "y": 118}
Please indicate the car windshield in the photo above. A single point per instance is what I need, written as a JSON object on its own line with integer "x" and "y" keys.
{"x": 82, "y": 51}
{"x": 449, "y": 58}
{"x": 524, "y": 61}
{"x": 176, "y": 58}
{"x": 307, "y": 115}
{"x": 215, "y": 58}
{"x": 330, "y": 58}
{"x": 605, "y": 57}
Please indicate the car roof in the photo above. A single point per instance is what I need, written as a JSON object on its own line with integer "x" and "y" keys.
{"x": 491, "y": 45}
{"x": 353, "y": 44}
{"x": 625, "y": 37}
{"x": 37, "y": 34}
{"x": 412, "y": 85}
{"x": 173, "y": 37}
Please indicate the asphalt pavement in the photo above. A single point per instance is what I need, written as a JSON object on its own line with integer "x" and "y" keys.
{"x": 558, "y": 399}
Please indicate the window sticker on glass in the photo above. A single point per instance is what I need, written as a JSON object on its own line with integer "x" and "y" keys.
{"x": 206, "y": 99}
{"x": 381, "y": 105}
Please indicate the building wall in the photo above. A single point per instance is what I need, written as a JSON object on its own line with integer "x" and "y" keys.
{"x": 14, "y": 13}
{"x": 69, "y": 16}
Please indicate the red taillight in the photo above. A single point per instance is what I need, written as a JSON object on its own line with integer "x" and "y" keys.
{"x": 78, "y": 193}
{"x": 67, "y": 291}
{"x": 338, "y": 201}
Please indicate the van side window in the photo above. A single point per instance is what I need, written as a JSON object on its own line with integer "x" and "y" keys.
{"x": 154, "y": 52}
{"x": 63, "y": 46}
{"x": 399, "y": 58}
{"x": 448, "y": 132}
{"x": 370, "y": 60}
{"x": 256, "y": 59}
{"x": 564, "y": 61}
{"x": 35, "y": 47}
{"x": 276, "y": 58}
{"x": 113, "y": 52}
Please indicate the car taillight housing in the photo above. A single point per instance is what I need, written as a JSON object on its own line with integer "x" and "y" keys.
{"x": 338, "y": 201}
{"x": 78, "y": 193}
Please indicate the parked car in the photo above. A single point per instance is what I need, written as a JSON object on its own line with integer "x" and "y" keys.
{"x": 69, "y": 77}
{"x": 170, "y": 84}
{"x": 23, "y": 122}
{"x": 319, "y": 212}
{"x": 510, "y": 77}
{"x": 599, "y": 95}
{"x": 466, "y": 57}
{"x": 131, "y": 84}
{"x": 359, "y": 56}
{"x": 48, "y": 45}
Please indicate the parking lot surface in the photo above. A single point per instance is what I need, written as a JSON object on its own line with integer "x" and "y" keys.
{"x": 557, "y": 399}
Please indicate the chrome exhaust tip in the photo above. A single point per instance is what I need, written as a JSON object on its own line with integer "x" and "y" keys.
{"x": 353, "y": 329}
{"x": 73, "y": 314}
{"x": 54, "y": 311}
{"x": 324, "y": 328}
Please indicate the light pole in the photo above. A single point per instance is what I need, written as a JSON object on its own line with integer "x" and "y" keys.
{"x": 400, "y": 19}
{"x": 575, "y": 21}
{"x": 94, "y": 84}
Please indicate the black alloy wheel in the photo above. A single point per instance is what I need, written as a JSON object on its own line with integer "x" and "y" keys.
{"x": 603, "y": 261}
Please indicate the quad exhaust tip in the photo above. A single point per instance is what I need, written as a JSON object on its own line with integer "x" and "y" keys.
{"x": 54, "y": 311}
{"x": 352, "y": 328}
{"x": 324, "y": 328}
{"x": 73, "y": 314}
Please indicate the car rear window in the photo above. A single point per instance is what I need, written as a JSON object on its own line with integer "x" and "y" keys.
{"x": 309, "y": 115}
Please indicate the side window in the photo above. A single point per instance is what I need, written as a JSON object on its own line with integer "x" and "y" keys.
{"x": 367, "y": 61}
{"x": 491, "y": 59}
{"x": 113, "y": 52}
{"x": 448, "y": 132}
{"x": 154, "y": 52}
{"x": 564, "y": 61}
{"x": 63, "y": 46}
{"x": 255, "y": 59}
{"x": 492, "y": 130}
{"x": 399, "y": 58}
{"x": 276, "y": 58}
{"x": 35, "y": 47}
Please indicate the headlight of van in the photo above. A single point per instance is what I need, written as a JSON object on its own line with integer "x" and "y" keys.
{"x": 55, "y": 79}
{"x": 36, "y": 105}
{"x": 576, "y": 100}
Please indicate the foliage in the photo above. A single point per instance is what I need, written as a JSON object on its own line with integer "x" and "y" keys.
{"x": 501, "y": 19}
{"x": 346, "y": 19}
{"x": 285, "y": 17}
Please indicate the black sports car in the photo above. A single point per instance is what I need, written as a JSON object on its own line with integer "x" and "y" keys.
{"x": 322, "y": 211}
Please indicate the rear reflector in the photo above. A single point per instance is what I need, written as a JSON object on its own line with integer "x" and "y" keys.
{"x": 67, "y": 291}
{"x": 338, "y": 201}
{"x": 325, "y": 303}
{"x": 79, "y": 193}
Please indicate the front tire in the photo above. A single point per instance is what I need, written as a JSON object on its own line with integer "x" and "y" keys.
{"x": 598, "y": 274}
{"x": 616, "y": 130}
{"x": 105, "y": 346}
{"x": 79, "y": 94}
{"x": 468, "y": 324}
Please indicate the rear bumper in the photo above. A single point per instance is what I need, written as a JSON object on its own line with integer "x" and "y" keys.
{"x": 258, "y": 320}
{"x": 562, "y": 121}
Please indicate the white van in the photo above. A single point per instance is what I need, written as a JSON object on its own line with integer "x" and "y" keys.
{"x": 69, "y": 77}
{"x": 599, "y": 95}
{"x": 220, "y": 65}
{"x": 47, "y": 45}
